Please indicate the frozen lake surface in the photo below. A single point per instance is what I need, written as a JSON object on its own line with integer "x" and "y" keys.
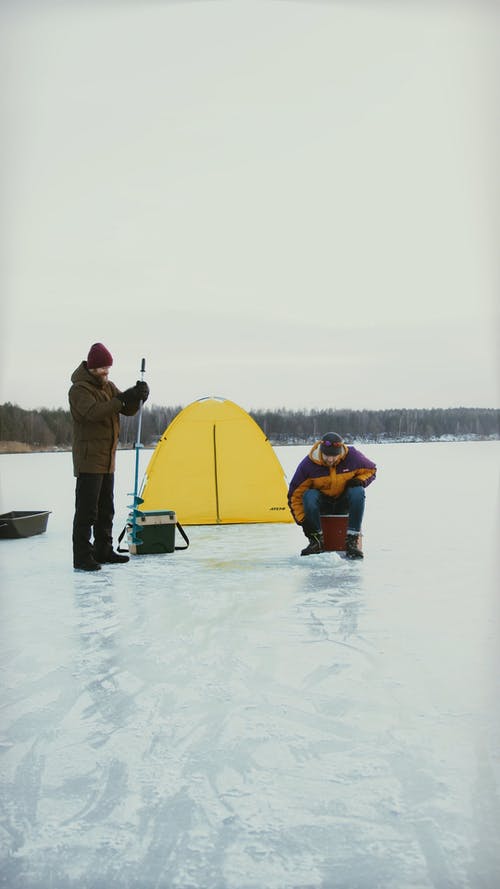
{"x": 238, "y": 717}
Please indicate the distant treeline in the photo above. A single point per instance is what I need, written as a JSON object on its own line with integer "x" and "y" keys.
{"x": 395, "y": 424}
{"x": 49, "y": 428}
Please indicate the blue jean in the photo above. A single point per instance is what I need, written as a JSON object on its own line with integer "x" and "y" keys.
{"x": 351, "y": 502}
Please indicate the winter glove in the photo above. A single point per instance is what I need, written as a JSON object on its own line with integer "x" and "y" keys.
{"x": 130, "y": 396}
{"x": 354, "y": 483}
{"x": 142, "y": 389}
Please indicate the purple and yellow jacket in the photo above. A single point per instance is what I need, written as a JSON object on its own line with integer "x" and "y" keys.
{"x": 332, "y": 481}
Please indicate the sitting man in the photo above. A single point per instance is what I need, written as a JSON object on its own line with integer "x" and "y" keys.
{"x": 331, "y": 480}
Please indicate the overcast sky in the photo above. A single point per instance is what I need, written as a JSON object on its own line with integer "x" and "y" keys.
{"x": 283, "y": 203}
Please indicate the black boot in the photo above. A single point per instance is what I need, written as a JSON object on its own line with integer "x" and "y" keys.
{"x": 315, "y": 544}
{"x": 108, "y": 557}
{"x": 88, "y": 563}
{"x": 352, "y": 549}
{"x": 88, "y": 486}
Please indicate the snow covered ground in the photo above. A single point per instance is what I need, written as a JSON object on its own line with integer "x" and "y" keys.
{"x": 238, "y": 717}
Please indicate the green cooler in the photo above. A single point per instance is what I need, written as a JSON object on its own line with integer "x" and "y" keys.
{"x": 155, "y": 532}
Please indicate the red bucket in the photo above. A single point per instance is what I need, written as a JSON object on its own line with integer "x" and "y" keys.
{"x": 334, "y": 529}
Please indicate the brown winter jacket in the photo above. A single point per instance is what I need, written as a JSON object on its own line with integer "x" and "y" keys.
{"x": 95, "y": 408}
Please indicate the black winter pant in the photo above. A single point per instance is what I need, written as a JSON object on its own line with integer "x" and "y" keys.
{"x": 94, "y": 509}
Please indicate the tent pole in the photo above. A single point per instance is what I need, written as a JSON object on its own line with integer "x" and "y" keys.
{"x": 215, "y": 478}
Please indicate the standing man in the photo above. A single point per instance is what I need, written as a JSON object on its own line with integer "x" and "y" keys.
{"x": 331, "y": 480}
{"x": 96, "y": 404}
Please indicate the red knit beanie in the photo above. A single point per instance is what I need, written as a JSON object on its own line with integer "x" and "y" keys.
{"x": 99, "y": 357}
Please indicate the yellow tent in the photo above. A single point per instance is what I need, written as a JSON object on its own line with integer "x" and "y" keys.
{"x": 214, "y": 465}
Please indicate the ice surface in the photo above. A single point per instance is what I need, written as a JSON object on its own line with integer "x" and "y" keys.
{"x": 238, "y": 717}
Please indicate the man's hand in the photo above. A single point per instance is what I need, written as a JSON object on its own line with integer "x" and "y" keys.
{"x": 354, "y": 483}
{"x": 135, "y": 394}
{"x": 142, "y": 390}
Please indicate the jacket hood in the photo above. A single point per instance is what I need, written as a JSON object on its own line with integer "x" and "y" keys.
{"x": 83, "y": 375}
{"x": 315, "y": 454}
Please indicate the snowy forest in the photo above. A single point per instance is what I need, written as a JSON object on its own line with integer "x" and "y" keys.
{"x": 51, "y": 428}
